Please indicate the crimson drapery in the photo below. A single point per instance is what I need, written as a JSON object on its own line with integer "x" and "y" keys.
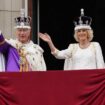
{"x": 81, "y": 87}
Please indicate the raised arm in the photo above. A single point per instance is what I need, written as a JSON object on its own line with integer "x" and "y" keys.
{"x": 46, "y": 37}
{"x": 59, "y": 54}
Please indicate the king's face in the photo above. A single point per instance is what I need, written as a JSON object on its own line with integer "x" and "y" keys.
{"x": 23, "y": 34}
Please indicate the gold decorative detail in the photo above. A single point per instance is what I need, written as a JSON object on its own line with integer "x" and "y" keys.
{"x": 24, "y": 65}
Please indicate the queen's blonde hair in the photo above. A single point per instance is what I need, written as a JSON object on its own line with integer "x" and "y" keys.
{"x": 90, "y": 34}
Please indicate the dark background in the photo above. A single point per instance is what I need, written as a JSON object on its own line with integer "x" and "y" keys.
{"x": 56, "y": 18}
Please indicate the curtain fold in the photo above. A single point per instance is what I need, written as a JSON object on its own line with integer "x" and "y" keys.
{"x": 79, "y": 87}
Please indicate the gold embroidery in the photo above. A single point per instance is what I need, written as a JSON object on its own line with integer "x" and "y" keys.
{"x": 24, "y": 65}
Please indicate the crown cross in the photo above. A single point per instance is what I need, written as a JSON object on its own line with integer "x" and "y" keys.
{"x": 82, "y": 12}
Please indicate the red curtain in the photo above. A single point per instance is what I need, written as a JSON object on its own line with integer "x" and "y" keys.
{"x": 81, "y": 87}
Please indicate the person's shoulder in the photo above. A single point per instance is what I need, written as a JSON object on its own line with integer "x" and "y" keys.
{"x": 73, "y": 44}
{"x": 96, "y": 43}
{"x": 38, "y": 47}
{"x": 10, "y": 41}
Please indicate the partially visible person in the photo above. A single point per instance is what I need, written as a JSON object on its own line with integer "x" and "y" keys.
{"x": 85, "y": 54}
{"x": 21, "y": 54}
{"x": 2, "y": 63}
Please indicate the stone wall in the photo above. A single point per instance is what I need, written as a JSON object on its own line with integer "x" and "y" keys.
{"x": 9, "y": 9}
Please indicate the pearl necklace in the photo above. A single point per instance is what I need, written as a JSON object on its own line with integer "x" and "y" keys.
{"x": 84, "y": 46}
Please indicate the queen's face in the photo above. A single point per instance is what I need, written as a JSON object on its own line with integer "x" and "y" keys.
{"x": 82, "y": 34}
{"x": 23, "y": 34}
